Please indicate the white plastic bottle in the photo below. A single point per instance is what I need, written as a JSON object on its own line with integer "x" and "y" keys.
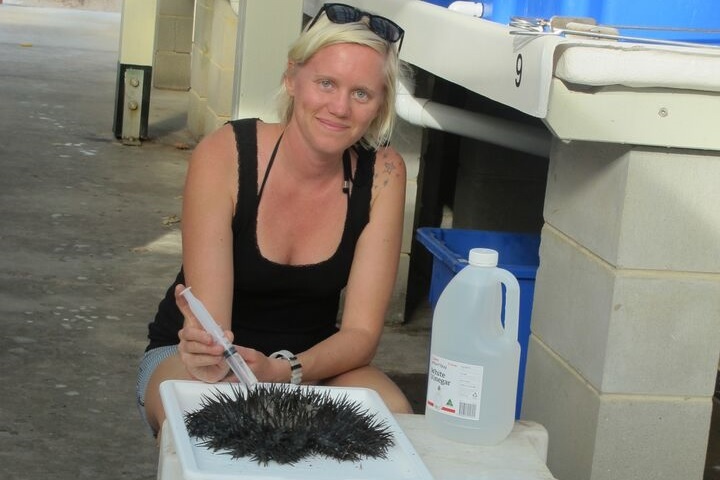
{"x": 474, "y": 361}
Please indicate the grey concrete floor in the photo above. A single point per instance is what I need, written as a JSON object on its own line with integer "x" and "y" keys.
{"x": 89, "y": 241}
{"x": 85, "y": 250}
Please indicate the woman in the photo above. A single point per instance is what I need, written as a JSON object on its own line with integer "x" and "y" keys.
{"x": 279, "y": 218}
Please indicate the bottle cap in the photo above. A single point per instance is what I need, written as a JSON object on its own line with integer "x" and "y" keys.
{"x": 483, "y": 257}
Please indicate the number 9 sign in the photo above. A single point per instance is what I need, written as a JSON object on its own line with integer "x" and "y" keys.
{"x": 518, "y": 70}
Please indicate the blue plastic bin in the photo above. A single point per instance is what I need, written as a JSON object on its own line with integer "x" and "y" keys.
{"x": 690, "y": 15}
{"x": 518, "y": 253}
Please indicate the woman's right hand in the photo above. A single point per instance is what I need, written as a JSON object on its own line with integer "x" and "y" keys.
{"x": 202, "y": 357}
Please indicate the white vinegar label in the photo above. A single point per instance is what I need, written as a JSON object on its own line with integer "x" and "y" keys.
{"x": 455, "y": 388}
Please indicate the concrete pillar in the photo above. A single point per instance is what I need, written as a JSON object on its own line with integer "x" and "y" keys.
{"x": 624, "y": 350}
{"x": 137, "y": 46}
{"x": 212, "y": 66}
{"x": 239, "y": 53}
{"x": 265, "y": 31}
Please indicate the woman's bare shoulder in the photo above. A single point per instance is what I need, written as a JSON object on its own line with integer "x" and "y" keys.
{"x": 212, "y": 169}
{"x": 218, "y": 150}
{"x": 218, "y": 145}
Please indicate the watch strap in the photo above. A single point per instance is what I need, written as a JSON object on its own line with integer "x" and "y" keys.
{"x": 295, "y": 366}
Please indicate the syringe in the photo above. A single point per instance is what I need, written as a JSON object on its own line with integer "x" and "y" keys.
{"x": 236, "y": 362}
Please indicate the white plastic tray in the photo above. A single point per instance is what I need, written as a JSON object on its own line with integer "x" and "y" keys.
{"x": 201, "y": 463}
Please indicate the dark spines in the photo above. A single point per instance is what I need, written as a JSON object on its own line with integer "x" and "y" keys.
{"x": 284, "y": 424}
{"x": 353, "y": 432}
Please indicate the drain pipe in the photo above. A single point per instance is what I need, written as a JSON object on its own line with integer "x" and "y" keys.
{"x": 427, "y": 114}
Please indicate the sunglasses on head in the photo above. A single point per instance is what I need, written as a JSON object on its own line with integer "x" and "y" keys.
{"x": 382, "y": 27}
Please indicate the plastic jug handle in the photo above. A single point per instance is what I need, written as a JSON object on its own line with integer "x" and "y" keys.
{"x": 512, "y": 302}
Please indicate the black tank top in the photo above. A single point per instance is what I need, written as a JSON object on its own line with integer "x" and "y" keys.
{"x": 277, "y": 306}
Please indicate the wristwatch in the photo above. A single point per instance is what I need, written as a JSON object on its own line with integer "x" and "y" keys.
{"x": 295, "y": 366}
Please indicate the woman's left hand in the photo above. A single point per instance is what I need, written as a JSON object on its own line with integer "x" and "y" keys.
{"x": 266, "y": 369}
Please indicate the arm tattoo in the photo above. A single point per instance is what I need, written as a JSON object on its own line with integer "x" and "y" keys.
{"x": 389, "y": 168}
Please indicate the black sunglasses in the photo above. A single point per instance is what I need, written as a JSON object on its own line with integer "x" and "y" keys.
{"x": 380, "y": 26}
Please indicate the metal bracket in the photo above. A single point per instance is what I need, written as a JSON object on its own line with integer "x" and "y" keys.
{"x": 132, "y": 106}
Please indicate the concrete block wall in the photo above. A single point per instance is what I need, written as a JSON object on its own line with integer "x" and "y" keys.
{"x": 624, "y": 351}
{"x": 171, "y": 68}
{"x": 212, "y": 66}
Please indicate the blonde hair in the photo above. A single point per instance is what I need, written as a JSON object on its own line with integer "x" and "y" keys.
{"x": 325, "y": 33}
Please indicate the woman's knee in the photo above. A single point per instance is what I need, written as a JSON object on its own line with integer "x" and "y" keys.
{"x": 171, "y": 368}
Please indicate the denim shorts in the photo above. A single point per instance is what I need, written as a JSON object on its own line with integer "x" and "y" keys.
{"x": 148, "y": 364}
